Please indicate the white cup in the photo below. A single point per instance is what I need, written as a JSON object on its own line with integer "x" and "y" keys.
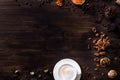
{"x": 67, "y": 69}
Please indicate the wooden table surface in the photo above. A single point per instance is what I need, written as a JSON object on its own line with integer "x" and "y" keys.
{"x": 37, "y": 37}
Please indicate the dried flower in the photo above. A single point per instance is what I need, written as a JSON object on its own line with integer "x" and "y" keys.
{"x": 105, "y": 61}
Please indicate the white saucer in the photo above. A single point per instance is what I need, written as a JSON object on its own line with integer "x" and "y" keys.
{"x": 69, "y": 62}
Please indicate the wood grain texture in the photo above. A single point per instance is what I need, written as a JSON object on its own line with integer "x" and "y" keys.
{"x": 33, "y": 37}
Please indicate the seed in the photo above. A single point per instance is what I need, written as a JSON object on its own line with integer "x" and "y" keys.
{"x": 96, "y": 54}
{"x": 87, "y": 68}
{"x": 96, "y": 34}
{"x": 89, "y": 38}
{"x": 46, "y": 70}
{"x": 32, "y": 73}
{"x": 39, "y": 75}
{"x": 59, "y": 3}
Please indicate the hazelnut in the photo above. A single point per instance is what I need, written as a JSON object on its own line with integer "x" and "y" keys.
{"x": 112, "y": 74}
{"x": 105, "y": 61}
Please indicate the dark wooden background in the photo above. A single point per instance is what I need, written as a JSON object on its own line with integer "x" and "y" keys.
{"x": 34, "y": 37}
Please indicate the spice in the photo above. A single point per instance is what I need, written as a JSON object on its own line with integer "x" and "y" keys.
{"x": 96, "y": 59}
{"x": 112, "y": 74}
{"x": 96, "y": 54}
{"x": 102, "y": 43}
{"x": 102, "y": 53}
{"x": 97, "y": 34}
{"x": 46, "y": 70}
{"x": 59, "y": 3}
{"x": 94, "y": 41}
{"x": 97, "y": 65}
{"x": 105, "y": 61}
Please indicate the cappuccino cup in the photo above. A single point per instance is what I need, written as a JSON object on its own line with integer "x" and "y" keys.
{"x": 67, "y": 69}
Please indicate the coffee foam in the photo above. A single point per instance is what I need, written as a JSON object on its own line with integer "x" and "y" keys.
{"x": 67, "y": 72}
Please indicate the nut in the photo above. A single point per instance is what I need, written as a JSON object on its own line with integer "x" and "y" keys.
{"x": 96, "y": 54}
{"x": 94, "y": 41}
{"x": 102, "y": 53}
{"x": 105, "y": 61}
{"x": 112, "y": 74}
{"x": 89, "y": 38}
{"x": 59, "y": 3}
